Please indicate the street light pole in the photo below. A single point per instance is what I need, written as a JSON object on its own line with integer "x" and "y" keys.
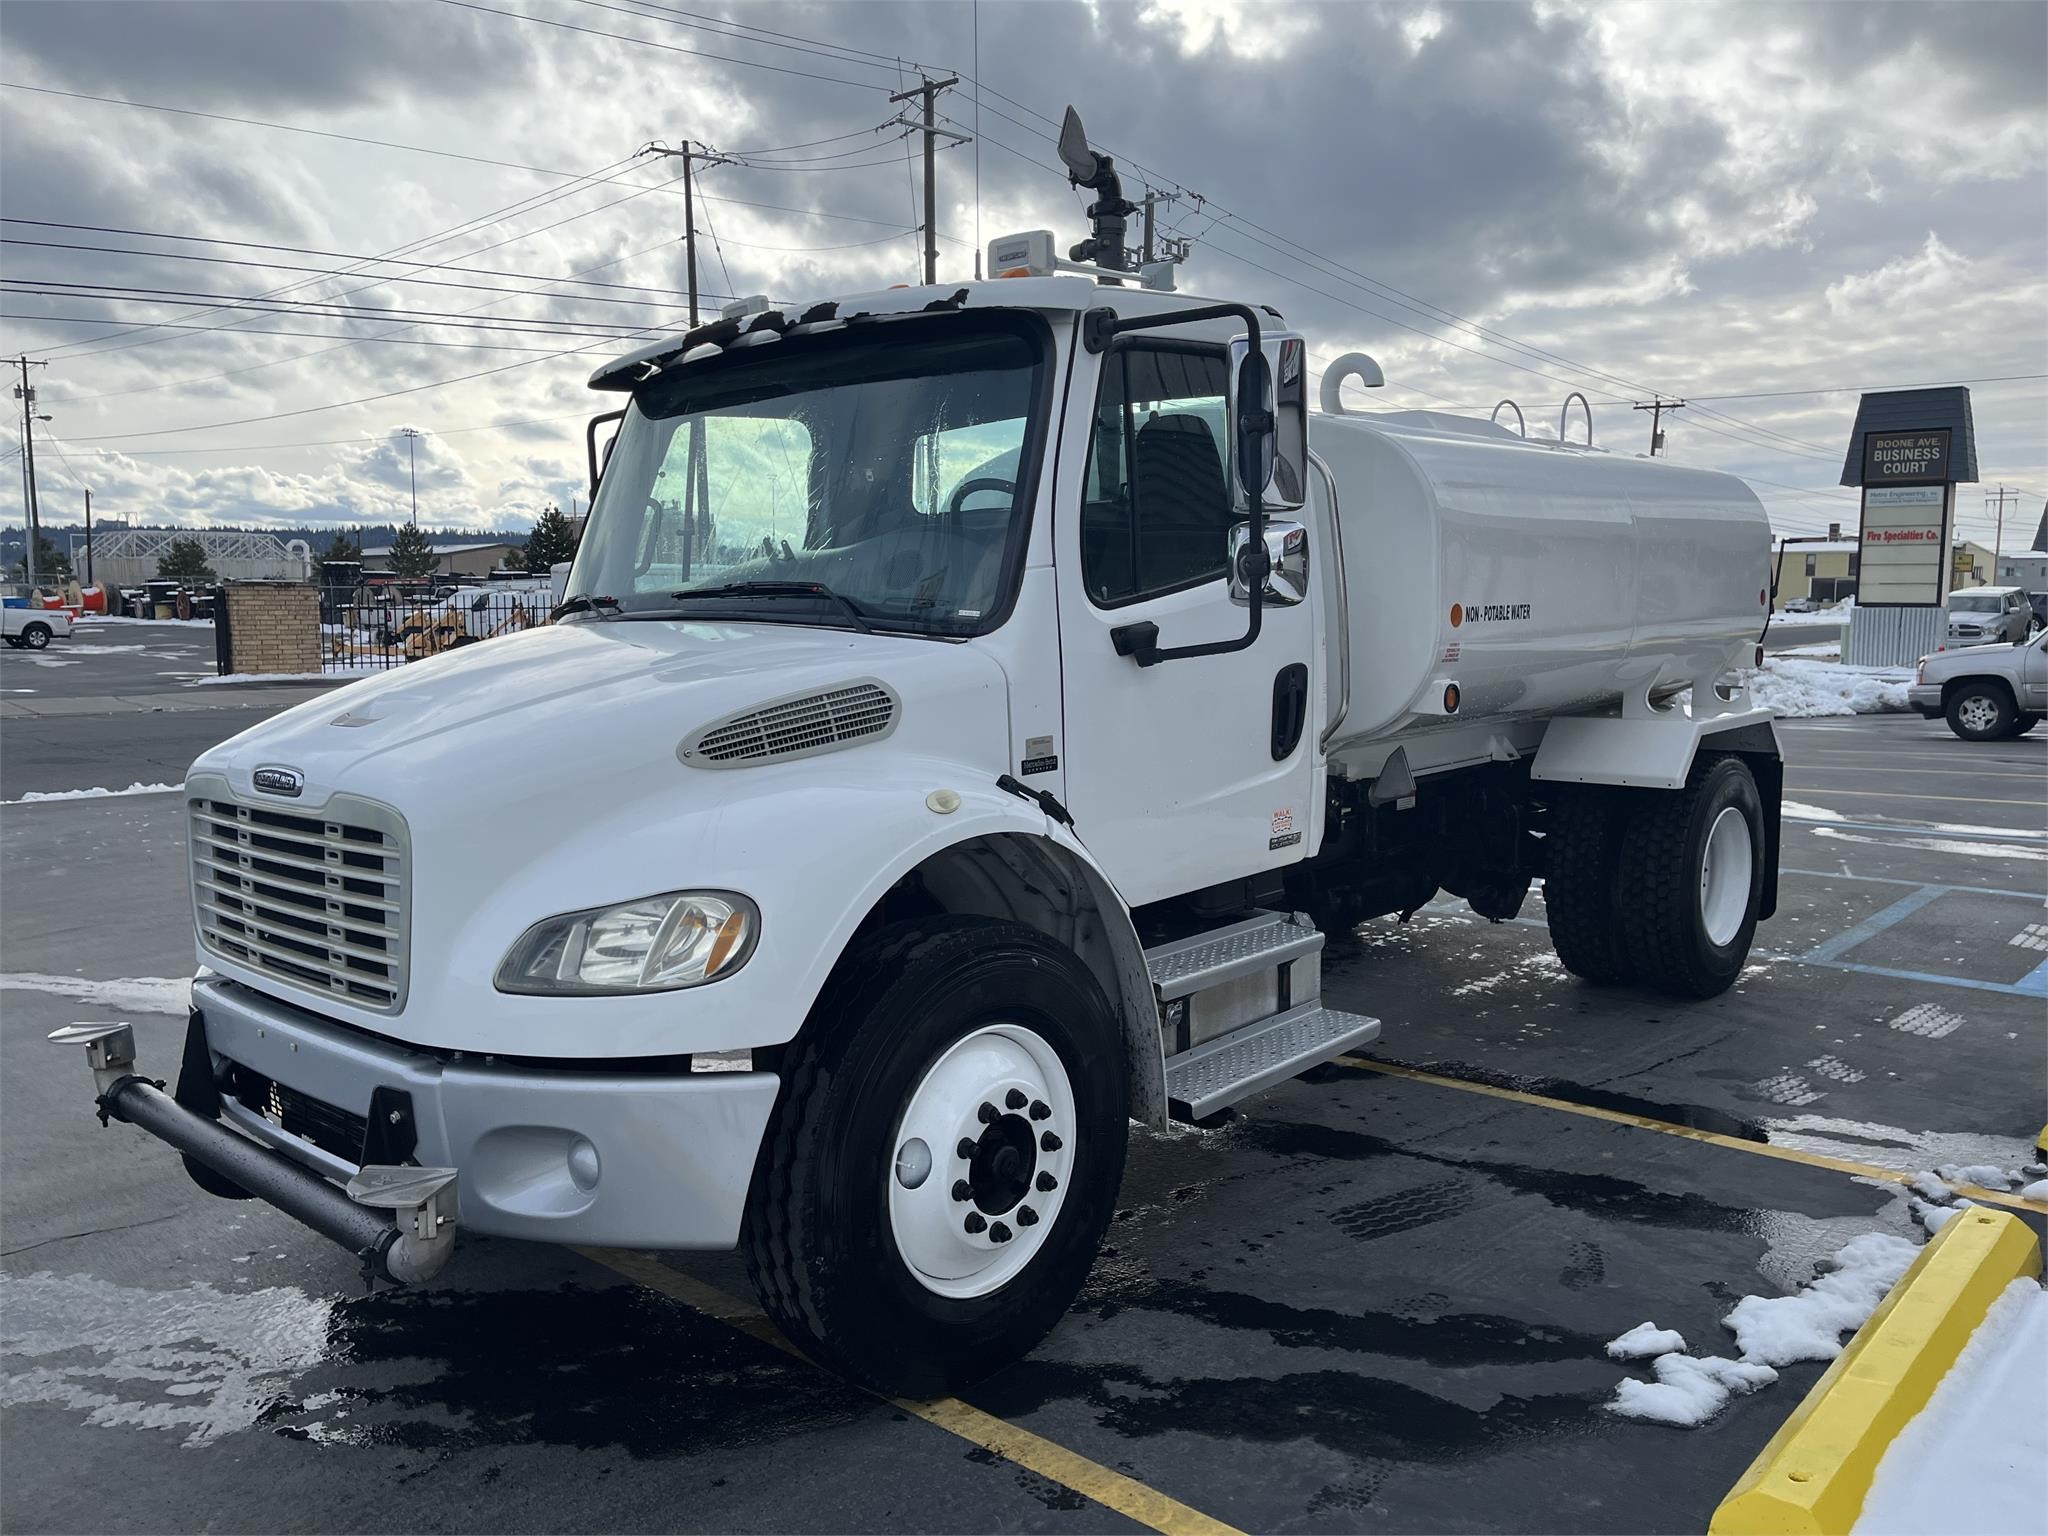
{"x": 412, "y": 438}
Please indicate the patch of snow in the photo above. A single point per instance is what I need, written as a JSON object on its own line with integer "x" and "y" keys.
{"x": 1971, "y": 1459}
{"x": 125, "y": 994}
{"x": 2038, "y": 1190}
{"x": 1929, "y": 1186}
{"x": 93, "y": 794}
{"x": 1837, "y": 613}
{"x": 114, "y": 618}
{"x": 1935, "y": 1217}
{"x": 1805, "y": 689}
{"x": 1985, "y": 1175}
{"x": 1793, "y": 810}
{"x": 1782, "y": 1330}
{"x": 1939, "y": 845}
{"x": 1646, "y": 1341}
{"x": 333, "y": 674}
{"x": 1687, "y": 1392}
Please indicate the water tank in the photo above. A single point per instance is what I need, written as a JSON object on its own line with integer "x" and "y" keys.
{"x": 1542, "y": 578}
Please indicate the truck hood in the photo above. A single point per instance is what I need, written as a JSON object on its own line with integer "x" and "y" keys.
{"x": 573, "y": 704}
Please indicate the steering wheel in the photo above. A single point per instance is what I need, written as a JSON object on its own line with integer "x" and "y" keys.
{"x": 967, "y": 488}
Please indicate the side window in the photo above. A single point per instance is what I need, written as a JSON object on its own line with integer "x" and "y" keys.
{"x": 1157, "y": 510}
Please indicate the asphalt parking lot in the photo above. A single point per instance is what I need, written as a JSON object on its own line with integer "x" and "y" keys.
{"x": 1376, "y": 1300}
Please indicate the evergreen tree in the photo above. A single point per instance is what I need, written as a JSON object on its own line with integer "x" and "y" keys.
{"x": 344, "y": 546}
{"x": 51, "y": 562}
{"x": 412, "y": 555}
{"x": 552, "y": 541}
{"x": 185, "y": 561}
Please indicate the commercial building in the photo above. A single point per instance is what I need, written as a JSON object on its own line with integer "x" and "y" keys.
{"x": 476, "y": 560}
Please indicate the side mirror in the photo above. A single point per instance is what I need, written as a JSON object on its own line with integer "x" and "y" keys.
{"x": 1251, "y": 413}
{"x": 1284, "y": 390}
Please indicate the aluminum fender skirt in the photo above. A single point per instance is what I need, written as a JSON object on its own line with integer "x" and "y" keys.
{"x": 1650, "y": 752}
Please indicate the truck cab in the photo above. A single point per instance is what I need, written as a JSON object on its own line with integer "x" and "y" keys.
{"x": 961, "y": 721}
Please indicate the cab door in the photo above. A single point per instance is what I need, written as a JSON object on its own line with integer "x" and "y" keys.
{"x": 1199, "y": 770}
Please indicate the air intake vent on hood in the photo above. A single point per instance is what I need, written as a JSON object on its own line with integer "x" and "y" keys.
{"x": 796, "y": 727}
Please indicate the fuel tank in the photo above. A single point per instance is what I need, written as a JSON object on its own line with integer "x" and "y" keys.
{"x": 1540, "y": 578}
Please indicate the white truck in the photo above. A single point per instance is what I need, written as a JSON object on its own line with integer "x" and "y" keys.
{"x": 970, "y": 708}
{"x": 34, "y": 628}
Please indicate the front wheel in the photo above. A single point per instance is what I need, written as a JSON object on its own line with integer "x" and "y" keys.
{"x": 1981, "y": 712}
{"x": 1691, "y": 879}
{"x": 943, "y": 1158}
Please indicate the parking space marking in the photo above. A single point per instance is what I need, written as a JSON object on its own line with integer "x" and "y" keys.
{"x": 1900, "y": 794}
{"x": 1923, "y": 829}
{"x": 1113, "y": 1490}
{"x": 1689, "y": 1133}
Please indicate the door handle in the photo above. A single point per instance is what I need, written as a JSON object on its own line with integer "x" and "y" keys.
{"x": 1290, "y": 709}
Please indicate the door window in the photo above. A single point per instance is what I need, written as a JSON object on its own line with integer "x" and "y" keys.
{"x": 1157, "y": 510}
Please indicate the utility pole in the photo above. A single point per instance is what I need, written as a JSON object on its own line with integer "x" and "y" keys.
{"x": 1998, "y": 499}
{"x": 1657, "y": 408}
{"x": 929, "y": 89}
{"x": 412, "y": 437}
{"x": 26, "y": 394}
{"x": 1152, "y": 200}
{"x": 692, "y": 155}
{"x": 88, "y": 535}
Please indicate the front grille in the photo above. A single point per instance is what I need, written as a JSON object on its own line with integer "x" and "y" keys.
{"x": 319, "y": 901}
{"x": 299, "y": 1114}
{"x": 798, "y": 727}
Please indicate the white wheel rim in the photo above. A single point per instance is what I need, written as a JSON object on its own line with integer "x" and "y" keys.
{"x": 1978, "y": 713}
{"x": 1725, "y": 867}
{"x": 957, "y": 1208}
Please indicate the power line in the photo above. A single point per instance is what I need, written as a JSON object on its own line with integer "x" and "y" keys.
{"x": 334, "y": 442}
{"x": 395, "y": 341}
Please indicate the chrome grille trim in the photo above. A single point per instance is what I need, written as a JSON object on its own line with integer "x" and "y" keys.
{"x": 801, "y": 726}
{"x": 316, "y": 899}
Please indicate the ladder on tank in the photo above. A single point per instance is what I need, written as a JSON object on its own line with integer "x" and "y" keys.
{"x": 1240, "y": 1009}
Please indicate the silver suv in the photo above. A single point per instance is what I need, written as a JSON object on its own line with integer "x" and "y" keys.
{"x": 1986, "y": 693}
{"x": 1988, "y": 616}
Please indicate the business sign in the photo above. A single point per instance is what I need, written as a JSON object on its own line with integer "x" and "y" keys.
{"x": 1904, "y": 556}
{"x": 1906, "y": 458}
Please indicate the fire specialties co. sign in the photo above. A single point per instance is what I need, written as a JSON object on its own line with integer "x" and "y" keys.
{"x": 1904, "y": 556}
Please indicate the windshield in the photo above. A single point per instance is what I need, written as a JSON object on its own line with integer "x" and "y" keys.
{"x": 1971, "y": 603}
{"x": 881, "y": 463}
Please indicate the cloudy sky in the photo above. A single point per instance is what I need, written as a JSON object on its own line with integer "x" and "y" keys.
{"x": 1759, "y": 208}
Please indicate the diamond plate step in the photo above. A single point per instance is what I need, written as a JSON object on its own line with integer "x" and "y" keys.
{"x": 1259, "y": 943}
{"x": 1216, "y": 1075}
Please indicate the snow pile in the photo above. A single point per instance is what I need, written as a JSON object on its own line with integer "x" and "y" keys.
{"x": 1801, "y": 689}
{"x": 2038, "y": 1190}
{"x": 1688, "y": 1392}
{"x": 1971, "y": 1459}
{"x": 126, "y": 994}
{"x": 331, "y": 675}
{"x": 1645, "y": 1341}
{"x": 1837, "y": 614}
{"x": 1782, "y": 1330}
{"x": 92, "y": 794}
{"x": 1769, "y": 1331}
{"x": 1983, "y": 1175}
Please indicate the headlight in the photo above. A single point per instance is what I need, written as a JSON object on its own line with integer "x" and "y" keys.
{"x": 655, "y": 944}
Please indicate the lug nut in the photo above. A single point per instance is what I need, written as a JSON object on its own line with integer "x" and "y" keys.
{"x": 999, "y": 1233}
{"x": 1050, "y": 1142}
{"x": 962, "y": 1190}
{"x": 988, "y": 1114}
{"x": 975, "y": 1222}
{"x": 966, "y": 1147}
{"x": 1026, "y": 1217}
{"x": 1014, "y": 1099}
{"x": 1040, "y": 1110}
{"x": 1046, "y": 1182}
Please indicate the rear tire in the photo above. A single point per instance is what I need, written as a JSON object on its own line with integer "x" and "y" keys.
{"x": 36, "y": 636}
{"x": 1691, "y": 882}
{"x": 1582, "y": 842}
{"x": 1982, "y": 712}
{"x": 858, "y": 1238}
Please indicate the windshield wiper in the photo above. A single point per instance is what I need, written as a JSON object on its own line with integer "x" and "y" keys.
{"x": 583, "y": 602}
{"x": 783, "y": 589}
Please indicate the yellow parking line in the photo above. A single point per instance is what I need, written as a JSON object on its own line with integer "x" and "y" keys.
{"x": 1127, "y": 1496}
{"x": 1691, "y": 1133}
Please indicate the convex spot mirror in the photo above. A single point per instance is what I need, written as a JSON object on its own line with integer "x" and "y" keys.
{"x": 1279, "y": 470}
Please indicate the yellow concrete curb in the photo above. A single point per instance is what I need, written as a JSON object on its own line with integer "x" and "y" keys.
{"x": 1812, "y": 1478}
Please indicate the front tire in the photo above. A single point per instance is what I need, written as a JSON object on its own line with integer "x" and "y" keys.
{"x": 1981, "y": 712}
{"x": 956, "y": 1073}
{"x": 1691, "y": 880}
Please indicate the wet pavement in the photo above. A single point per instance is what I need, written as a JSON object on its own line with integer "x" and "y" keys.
{"x": 1367, "y": 1301}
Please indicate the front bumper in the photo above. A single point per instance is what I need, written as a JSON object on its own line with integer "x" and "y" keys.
{"x": 1926, "y": 698}
{"x": 553, "y": 1153}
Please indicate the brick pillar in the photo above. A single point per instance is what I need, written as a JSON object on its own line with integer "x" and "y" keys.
{"x": 273, "y": 626}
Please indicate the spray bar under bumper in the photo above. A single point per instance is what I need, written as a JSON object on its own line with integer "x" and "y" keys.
{"x": 400, "y": 1221}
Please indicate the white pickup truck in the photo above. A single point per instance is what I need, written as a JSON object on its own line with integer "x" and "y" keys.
{"x": 34, "y": 628}
{"x": 969, "y": 707}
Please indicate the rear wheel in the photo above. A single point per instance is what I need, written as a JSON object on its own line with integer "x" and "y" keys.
{"x": 35, "y": 636}
{"x": 1582, "y": 842}
{"x": 1981, "y": 712}
{"x": 944, "y": 1156}
{"x": 1691, "y": 879}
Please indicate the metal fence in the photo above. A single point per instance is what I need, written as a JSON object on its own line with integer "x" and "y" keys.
{"x": 367, "y": 629}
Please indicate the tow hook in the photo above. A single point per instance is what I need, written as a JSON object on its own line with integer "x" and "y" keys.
{"x": 409, "y": 1244}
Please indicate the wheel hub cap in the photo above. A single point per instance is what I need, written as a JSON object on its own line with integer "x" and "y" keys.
{"x": 1726, "y": 863}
